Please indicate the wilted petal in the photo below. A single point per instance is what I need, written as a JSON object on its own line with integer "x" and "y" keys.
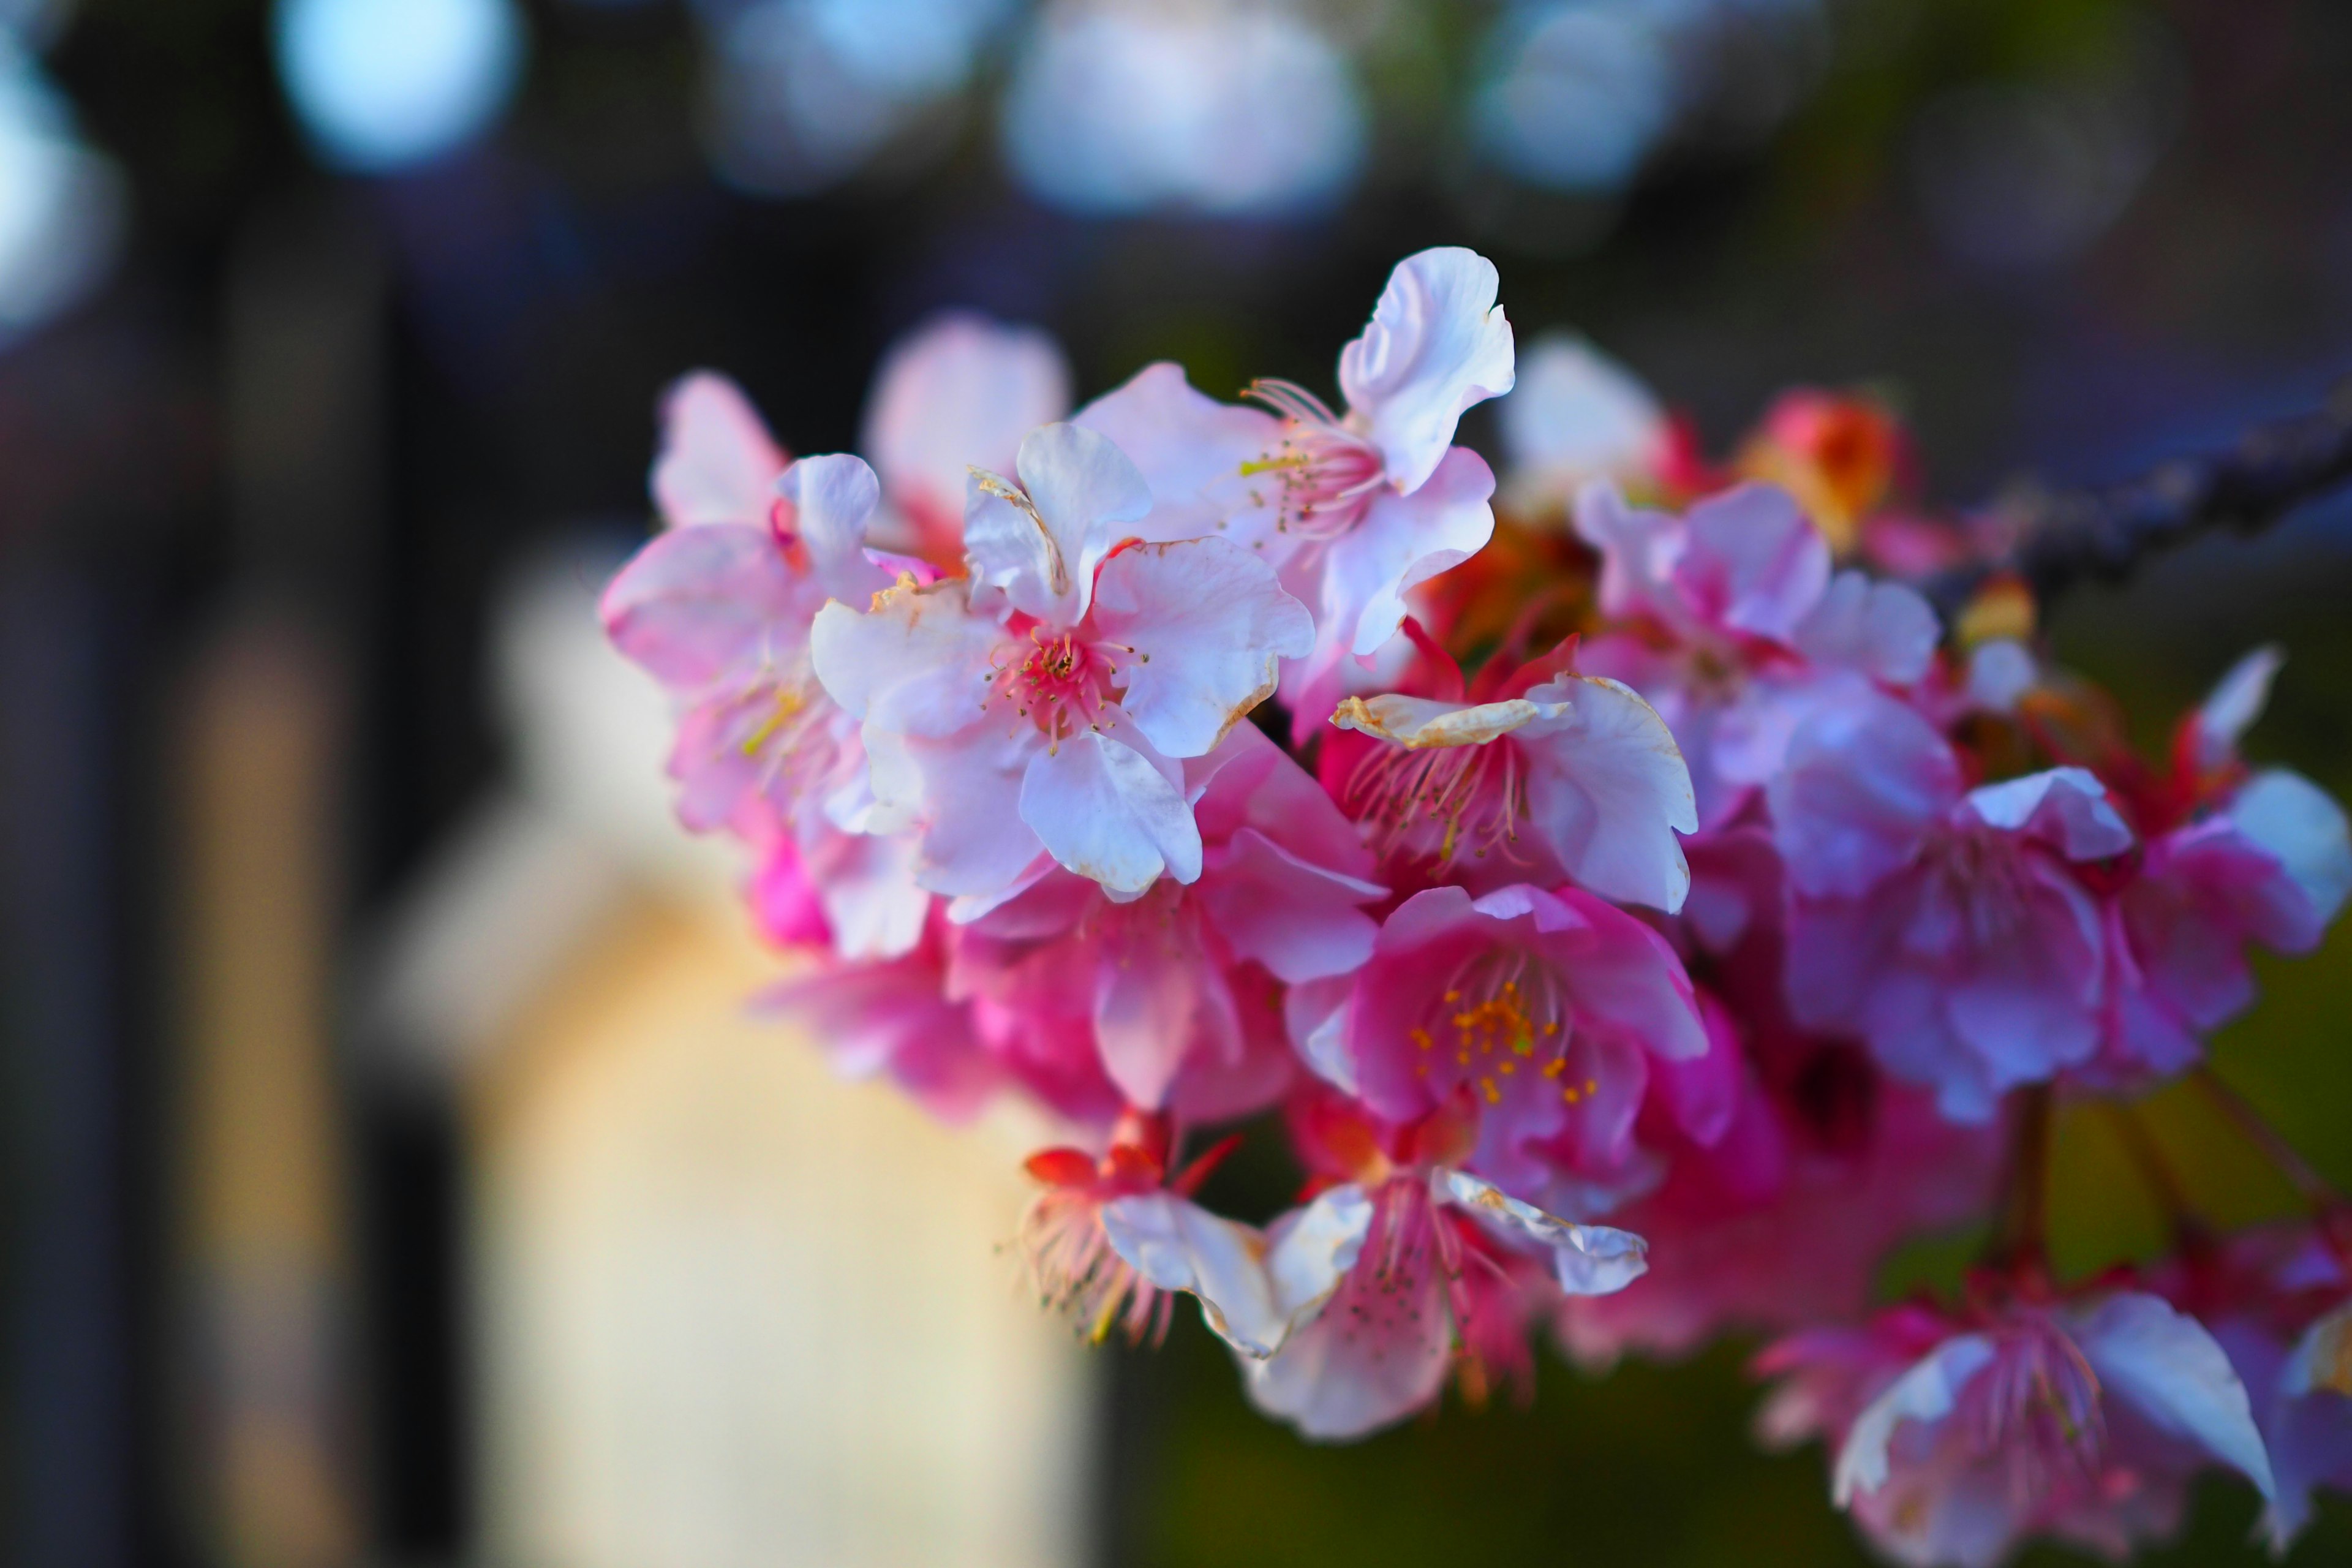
{"x": 1926, "y": 1393}
{"x": 2169, "y": 1369}
{"x": 1608, "y": 790}
{"x": 1588, "y": 1259}
{"x": 1208, "y": 625}
{"x": 1418, "y": 722}
{"x": 1437, "y": 343}
{"x": 717, "y": 462}
{"x": 1110, "y": 812}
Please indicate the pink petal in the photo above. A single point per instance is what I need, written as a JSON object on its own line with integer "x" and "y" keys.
{"x": 701, "y": 603}
{"x": 958, "y": 392}
{"x": 1401, "y": 542}
{"x": 1190, "y": 449}
{"x": 1755, "y": 562}
{"x": 1111, "y": 812}
{"x": 718, "y": 463}
{"x": 1608, "y": 790}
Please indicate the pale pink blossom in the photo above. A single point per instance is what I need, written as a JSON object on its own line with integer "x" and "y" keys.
{"x": 1544, "y": 1013}
{"x": 1735, "y": 626}
{"x": 719, "y": 613}
{"x": 956, "y": 394}
{"x": 1946, "y": 927}
{"x": 1956, "y": 1441}
{"x": 1174, "y": 984}
{"x": 2256, "y": 858}
{"x": 1553, "y": 775}
{"x": 891, "y": 1018}
{"x": 1044, "y": 704}
{"x": 718, "y": 464}
{"x": 1355, "y": 509}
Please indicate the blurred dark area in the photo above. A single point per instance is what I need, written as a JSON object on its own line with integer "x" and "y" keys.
{"x": 265, "y": 474}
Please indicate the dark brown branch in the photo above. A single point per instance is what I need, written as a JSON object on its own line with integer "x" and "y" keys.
{"x": 2066, "y": 536}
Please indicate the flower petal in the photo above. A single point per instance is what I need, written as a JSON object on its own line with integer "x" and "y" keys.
{"x": 1575, "y": 413}
{"x": 1112, "y": 812}
{"x": 1189, "y": 449}
{"x": 916, "y": 662}
{"x": 1883, "y": 629}
{"x": 1208, "y": 624}
{"x": 1301, "y": 920}
{"x": 2237, "y": 700}
{"x": 1587, "y": 1260}
{"x": 701, "y": 603}
{"x": 1417, "y": 723}
{"x": 1864, "y": 780}
{"x": 2169, "y": 1369}
{"x": 833, "y": 497}
{"x": 2300, "y": 825}
{"x": 1036, "y": 545}
{"x": 1401, "y": 542}
{"x": 1754, "y": 562}
{"x": 1608, "y": 789}
{"x": 1926, "y": 1393}
{"x": 2064, "y": 807}
{"x": 717, "y": 462}
{"x": 957, "y": 392}
{"x": 1437, "y": 343}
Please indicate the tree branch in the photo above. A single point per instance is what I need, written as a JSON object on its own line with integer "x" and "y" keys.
{"x": 2066, "y": 536}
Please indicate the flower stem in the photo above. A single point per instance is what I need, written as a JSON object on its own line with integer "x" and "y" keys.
{"x": 2163, "y": 1182}
{"x": 2021, "y": 1226}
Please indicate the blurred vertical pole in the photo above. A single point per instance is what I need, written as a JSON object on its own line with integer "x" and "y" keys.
{"x": 268, "y": 1250}
{"x": 71, "y": 1327}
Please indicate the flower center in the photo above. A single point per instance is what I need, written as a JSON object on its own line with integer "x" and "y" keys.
{"x": 1460, "y": 796}
{"x": 1058, "y": 683}
{"x": 1320, "y": 471}
{"x": 1501, "y": 1018}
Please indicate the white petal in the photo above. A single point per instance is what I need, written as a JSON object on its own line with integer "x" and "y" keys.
{"x": 2303, "y": 829}
{"x": 2237, "y": 700}
{"x": 1436, "y": 344}
{"x": 2001, "y": 672}
{"x": 1311, "y": 1250}
{"x": 1107, "y": 811}
{"x": 1179, "y": 1245}
{"x": 1926, "y": 1392}
{"x": 1401, "y": 542}
{"x": 833, "y": 498}
{"x": 1587, "y": 1260}
{"x": 1036, "y": 544}
{"x": 2169, "y": 1369}
{"x": 717, "y": 462}
{"x": 1208, "y": 625}
{"x": 917, "y": 662}
{"x": 1608, "y": 789}
{"x": 1417, "y": 723}
{"x": 2067, "y": 807}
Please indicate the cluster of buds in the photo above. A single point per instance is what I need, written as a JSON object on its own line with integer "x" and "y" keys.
{"x": 1637, "y": 910}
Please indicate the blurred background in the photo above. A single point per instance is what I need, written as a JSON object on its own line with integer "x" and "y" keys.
{"x": 390, "y": 1170}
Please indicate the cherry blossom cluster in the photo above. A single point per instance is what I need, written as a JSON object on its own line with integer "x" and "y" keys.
{"x": 1636, "y": 911}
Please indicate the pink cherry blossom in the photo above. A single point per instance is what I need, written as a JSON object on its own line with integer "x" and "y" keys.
{"x": 1552, "y": 775}
{"x": 957, "y": 392}
{"x": 2256, "y": 858}
{"x": 1355, "y": 509}
{"x": 717, "y": 462}
{"x": 1042, "y": 705}
{"x": 1956, "y": 1441}
{"x": 1173, "y": 983}
{"x": 1546, "y": 1013}
{"x": 892, "y": 1016}
{"x": 1947, "y": 929}
{"x": 1734, "y": 625}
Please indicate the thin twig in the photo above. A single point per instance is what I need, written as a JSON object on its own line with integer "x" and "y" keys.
{"x": 2021, "y": 1227}
{"x": 2315, "y": 1189}
{"x": 2066, "y": 536}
